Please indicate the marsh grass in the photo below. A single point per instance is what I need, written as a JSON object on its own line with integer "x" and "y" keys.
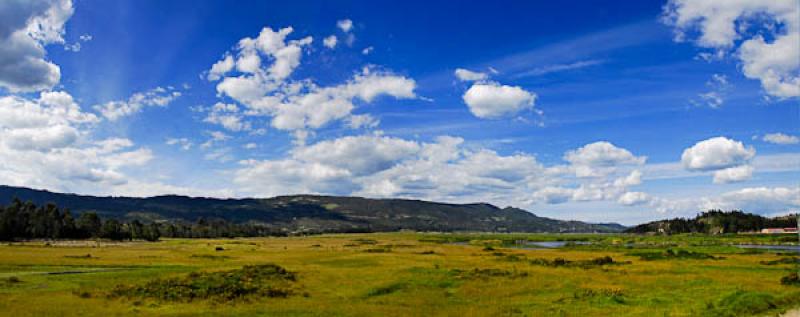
{"x": 450, "y": 280}
{"x": 746, "y": 303}
{"x": 670, "y": 254}
{"x": 210, "y": 257}
{"x": 790, "y": 260}
{"x": 265, "y": 280}
{"x": 584, "y": 264}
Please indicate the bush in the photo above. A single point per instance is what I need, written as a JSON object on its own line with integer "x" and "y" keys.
{"x": 267, "y": 280}
{"x": 791, "y": 279}
{"x": 670, "y": 254}
{"x": 781, "y": 261}
{"x": 586, "y": 264}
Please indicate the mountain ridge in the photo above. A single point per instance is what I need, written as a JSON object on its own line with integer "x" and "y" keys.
{"x": 312, "y": 213}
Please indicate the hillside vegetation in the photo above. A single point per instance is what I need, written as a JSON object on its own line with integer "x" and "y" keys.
{"x": 308, "y": 213}
{"x": 716, "y": 222}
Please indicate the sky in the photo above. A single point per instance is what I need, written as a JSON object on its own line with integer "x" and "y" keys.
{"x": 601, "y": 111}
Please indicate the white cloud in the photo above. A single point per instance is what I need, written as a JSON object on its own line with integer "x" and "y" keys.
{"x": 160, "y": 97}
{"x": 468, "y": 75}
{"x": 633, "y": 199}
{"x": 360, "y": 155}
{"x": 559, "y": 68}
{"x": 718, "y": 87}
{"x": 602, "y": 154}
{"x": 76, "y": 46}
{"x": 25, "y": 28}
{"x": 780, "y": 138}
{"x": 215, "y": 137}
{"x": 330, "y": 41}
{"x": 184, "y": 143}
{"x": 296, "y": 106}
{"x": 442, "y": 170}
{"x": 764, "y": 200}
{"x": 492, "y": 100}
{"x": 554, "y": 195}
{"x": 743, "y": 27}
{"x": 715, "y": 154}
{"x": 222, "y": 155}
{"x": 733, "y": 174}
{"x": 45, "y": 142}
{"x": 228, "y": 116}
{"x": 367, "y": 50}
{"x": 345, "y": 25}
{"x": 250, "y": 146}
{"x": 52, "y": 121}
{"x": 220, "y": 68}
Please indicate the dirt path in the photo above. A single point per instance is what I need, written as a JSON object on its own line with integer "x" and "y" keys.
{"x": 792, "y": 313}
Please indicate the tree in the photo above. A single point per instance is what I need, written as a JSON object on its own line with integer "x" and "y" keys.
{"x": 68, "y": 229}
{"x": 112, "y": 229}
{"x": 89, "y": 225}
{"x": 137, "y": 229}
{"x": 151, "y": 232}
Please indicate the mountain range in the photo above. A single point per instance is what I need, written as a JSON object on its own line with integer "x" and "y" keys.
{"x": 312, "y": 213}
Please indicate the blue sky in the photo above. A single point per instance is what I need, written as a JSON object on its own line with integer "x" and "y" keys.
{"x": 601, "y": 111}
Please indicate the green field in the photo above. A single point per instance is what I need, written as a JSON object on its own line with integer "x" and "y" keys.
{"x": 400, "y": 274}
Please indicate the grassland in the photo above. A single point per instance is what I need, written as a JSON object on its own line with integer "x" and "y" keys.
{"x": 400, "y": 274}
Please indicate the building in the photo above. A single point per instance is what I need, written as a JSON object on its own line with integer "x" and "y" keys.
{"x": 778, "y": 230}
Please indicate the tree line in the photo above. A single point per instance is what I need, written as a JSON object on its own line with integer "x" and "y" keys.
{"x": 716, "y": 222}
{"x": 24, "y": 220}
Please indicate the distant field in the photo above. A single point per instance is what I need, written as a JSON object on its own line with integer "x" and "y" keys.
{"x": 401, "y": 274}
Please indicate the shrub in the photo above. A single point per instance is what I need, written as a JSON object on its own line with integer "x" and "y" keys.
{"x": 586, "y": 264}
{"x": 670, "y": 254}
{"x": 267, "y": 280}
{"x": 791, "y": 279}
{"x": 378, "y": 250}
{"x": 386, "y": 290}
{"x": 781, "y": 261}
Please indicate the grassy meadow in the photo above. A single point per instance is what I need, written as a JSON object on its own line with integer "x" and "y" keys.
{"x": 400, "y": 274}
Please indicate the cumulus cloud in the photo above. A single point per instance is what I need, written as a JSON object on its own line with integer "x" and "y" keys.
{"x": 602, "y": 153}
{"x": 26, "y": 27}
{"x": 51, "y": 121}
{"x": 633, "y": 198}
{"x": 733, "y": 174}
{"x": 468, "y": 75}
{"x": 763, "y": 35}
{"x": 554, "y": 195}
{"x": 382, "y": 166}
{"x": 228, "y": 116}
{"x": 330, "y": 41}
{"x": 780, "y": 138}
{"x": 345, "y": 25}
{"x": 297, "y": 106}
{"x": 715, "y": 154}
{"x": 765, "y": 200}
{"x": 442, "y": 170}
{"x": 492, "y": 100}
{"x": 44, "y": 142}
{"x": 160, "y": 97}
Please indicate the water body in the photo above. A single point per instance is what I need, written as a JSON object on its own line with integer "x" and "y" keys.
{"x": 770, "y": 247}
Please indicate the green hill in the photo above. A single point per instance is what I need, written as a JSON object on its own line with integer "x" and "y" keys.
{"x": 716, "y": 222}
{"x": 309, "y": 213}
